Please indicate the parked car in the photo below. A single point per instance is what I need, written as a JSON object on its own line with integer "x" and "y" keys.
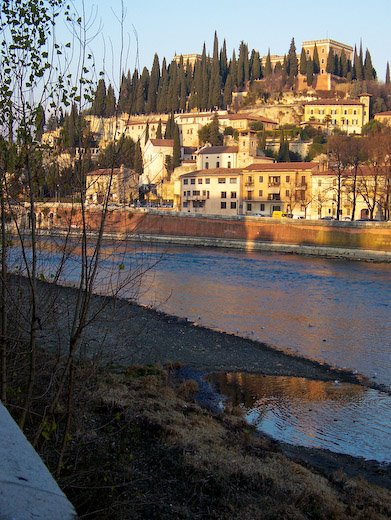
{"x": 327, "y": 218}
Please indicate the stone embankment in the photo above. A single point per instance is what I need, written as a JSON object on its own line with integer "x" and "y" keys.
{"x": 352, "y": 240}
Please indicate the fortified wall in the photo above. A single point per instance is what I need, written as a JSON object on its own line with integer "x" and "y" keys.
{"x": 371, "y": 236}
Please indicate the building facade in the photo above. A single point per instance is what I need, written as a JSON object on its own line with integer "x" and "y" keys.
{"x": 120, "y": 185}
{"x": 282, "y": 187}
{"x": 347, "y": 115}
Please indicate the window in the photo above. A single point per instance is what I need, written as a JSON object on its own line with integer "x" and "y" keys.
{"x": 185, "y": 204}
{"x": 260, "y": 193}
{"x": 276, "y": 208}
{"x": 287, "y": 193}
{"x": 262, "y": 207}
{"x": 207, "y": 181}
{"x": 199, "y": 181}
{"x": 287, "y": 178}
{"x": 221, "y": 180}
{"x": 260, "y": 178}
{"x": 303, "y": 180}
{"x": 184, "y": 193}
{"x": 192, "y": 181}
{"x": 319, "y": 183}
{"x": 223, "y": 205}
{"x": 223, "y": 194}
{"x": 229, "y": 164}
{"x": 232, "y": 180}
{"x": 249, "y": 206}
{"x": 185, "y": 181}
{"x": 233, "y": 194}
{"x": 217, "y": 164}
{"x": 206, "y": 166}
{"x": 196, "y": 193}
{"x": 188, "y": 193}
{"x": 233, "y": 205}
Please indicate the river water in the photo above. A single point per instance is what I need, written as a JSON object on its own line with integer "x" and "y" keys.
{"x": 328, "y": 310}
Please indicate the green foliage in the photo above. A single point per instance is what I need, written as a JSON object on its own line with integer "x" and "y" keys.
{"x": 210, "y": 133}
{"x": 138, "y": 159}
{"x": 176, "y": 154}
{"x": 303, "y": 62}
{"x": 315, "y": 59}
{"x": 117, "y": 154}
{"x": 388, "y": 81}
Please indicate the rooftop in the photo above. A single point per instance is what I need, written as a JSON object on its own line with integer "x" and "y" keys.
{"x": 214, "y": 171}
{"x": 281, "y": 166}
{"x": 166, "y": 143}
{"x": 334, "y": 102}
{"x": 211, "y": 150}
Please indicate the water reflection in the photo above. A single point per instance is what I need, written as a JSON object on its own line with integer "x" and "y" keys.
{"x": 343, "y": 418}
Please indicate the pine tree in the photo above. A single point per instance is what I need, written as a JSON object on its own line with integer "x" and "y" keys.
{"x": 159, "y": 134}
{"x": 176, "y": 153}
{"x": 303, "y": 62}
{"x": 99, "y": 103}
{"x": 315, "y": 60}
{"x": 388, "y": 81}
{"x": 268, "y": 65}
{"x": 369, "y": 71}
{"x": 330, "y": 62}
{"x": 138, "y": 159}
{"x": 110, "y": 105}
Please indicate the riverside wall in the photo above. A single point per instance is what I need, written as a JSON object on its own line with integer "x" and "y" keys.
{"x": 121, "y": 222}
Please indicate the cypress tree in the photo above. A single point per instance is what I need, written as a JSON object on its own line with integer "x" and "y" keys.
{"x": 388, "y": 81}
{"x": 344, "y": 65}
{"x": 176, "y": 153}
{"x": 268, "y": 65}
{"x": 151, "y": 105}
{"x": 169, "y": 133}
{"x": 203, "y": 105}
{"x": 146, "y": 133}
{"x": 303, "y": 62}
{"x": 228, "y": 89}
{"x": 138, "y": 159}
{"x": 39, "y": 122}
{"x": 336, "y": 65}
{"x": 110, "y": 105}
{"x": 134, "y": 92}
{"x": 223, "y": 63}
{"x": 315, "y": 60}
{"x": 369, "y": 71}
{"x": 292, "y": 65}
{"x": 215, "y": 78}
{"x": 182, "y": 88}
{"x": 159, "y": 134}
{"x": 256, "y": 68}
{"x": 330, "y": 62}
{"x": 310, "y": 72}
{"x": 283, "y": 152}
{"x": 99, "y": 103}
{"x": 233, "y": 69}
{"x": 163, "y": 89}
{"x": 215, "y": 138}
{"x": 124, "y": 95}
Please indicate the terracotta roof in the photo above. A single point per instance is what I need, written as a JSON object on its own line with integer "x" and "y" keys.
{"x": 189, "y": 149}
{"x": 363, "y": 171}
{"x": 196, "y": 114}
{"x": 214, "y": 171}
{"x": 212, "y": 150}
{"x": 334, "y": 102}
{"x": 168, "y": 143}
{"x": 282, "y": 166}
{"x": 387, "y": 113}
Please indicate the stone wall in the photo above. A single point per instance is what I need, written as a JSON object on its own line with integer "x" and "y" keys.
{"x": 373, "y": 236}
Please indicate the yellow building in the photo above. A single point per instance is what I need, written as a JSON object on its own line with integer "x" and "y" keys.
{"x": 123, "y": 189}
{"x": 384, "y": 118}
{"x": 277, "y": 187}
{"x": 348, "y": 115}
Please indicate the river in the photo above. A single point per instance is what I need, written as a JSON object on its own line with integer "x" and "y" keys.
{"x": 329, "y": 310}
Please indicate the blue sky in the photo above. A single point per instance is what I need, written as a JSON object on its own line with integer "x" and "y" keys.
{"x": 172, "y": 26}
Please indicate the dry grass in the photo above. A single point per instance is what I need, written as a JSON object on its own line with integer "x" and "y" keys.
{"x": 144, "y": 450}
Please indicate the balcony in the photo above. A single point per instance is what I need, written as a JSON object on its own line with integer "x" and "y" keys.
{"x": 249, "y": 183}
{"x": 274, "y": 184}
{"x": 302, "y": 186}
{"x": 195, "y": 197}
